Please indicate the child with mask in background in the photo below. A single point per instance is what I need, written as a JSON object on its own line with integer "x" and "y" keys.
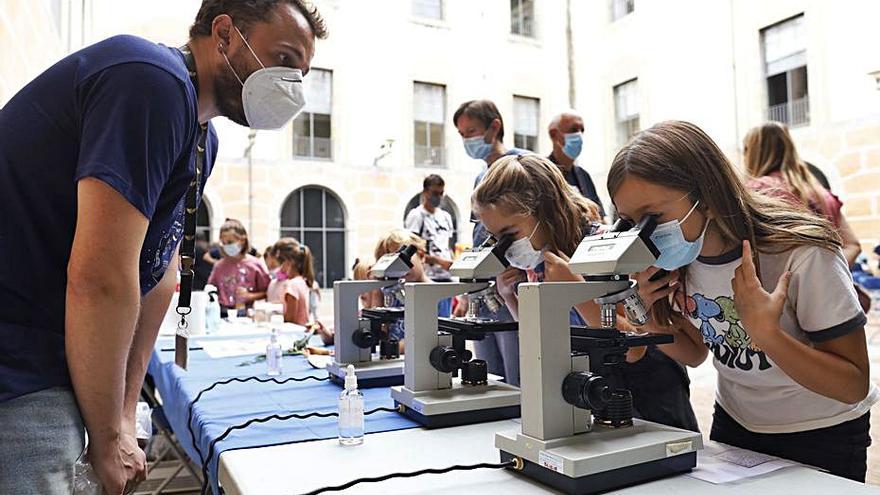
{"x": 295, "y": 283}
{"x": 240, "y": 278}
{"x": 764, "y": 287}
{"x": 527, "y": 197}
{"x": 271, "y": 262}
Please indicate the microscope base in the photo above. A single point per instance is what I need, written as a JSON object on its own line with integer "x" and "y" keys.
{"x": 604, "y": 459}
{"x": 371, "y": 374}
{"x": 460, "y": 405}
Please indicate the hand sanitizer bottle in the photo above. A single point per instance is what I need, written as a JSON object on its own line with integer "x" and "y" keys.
{"x": 351, "y": 411}
{"x": 273, "y": 355}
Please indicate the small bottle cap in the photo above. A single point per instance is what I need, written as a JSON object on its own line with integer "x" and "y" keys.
{"x": 351, "y": 382}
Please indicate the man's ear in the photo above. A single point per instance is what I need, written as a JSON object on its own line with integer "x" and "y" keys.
{"x": 495, "y": 126}
{"x": 221, "y": 30}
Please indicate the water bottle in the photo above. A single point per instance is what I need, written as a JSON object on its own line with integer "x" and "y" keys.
{"x": 85, "y": 481}
{"x": 351, "y": 411}
{"x": 273, "y": 355}
{"x": 212, "y": 310}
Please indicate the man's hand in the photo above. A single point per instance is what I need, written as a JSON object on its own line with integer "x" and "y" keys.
{"x": 506, "y": 282}
{"x": 119, "y": 463}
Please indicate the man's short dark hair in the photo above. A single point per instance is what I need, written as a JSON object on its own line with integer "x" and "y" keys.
{"x": 247, "y": 12}
{"x": 431, "y": 181}
{"x": 483, "y": 110}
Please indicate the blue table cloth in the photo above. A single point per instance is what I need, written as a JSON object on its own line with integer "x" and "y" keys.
{"x": 235, "y": 403}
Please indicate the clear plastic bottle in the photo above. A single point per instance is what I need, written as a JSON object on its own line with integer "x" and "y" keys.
{"x": 351, "y": 411}
{"x": 85, "y": 481}
{"x": 273, "y": 355}
{"x": 212, "y": 310}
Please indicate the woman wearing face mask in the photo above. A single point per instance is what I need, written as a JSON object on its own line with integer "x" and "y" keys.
{"x": 762, "y": 285}
{"x": 527, "y": 197}
{"x": 239, "y": 277}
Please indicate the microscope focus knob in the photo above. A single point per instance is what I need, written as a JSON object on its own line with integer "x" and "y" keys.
{"x": 475, "y": 372}
{"x": 365, "y": 338}
{"x": 586, "y": 390}
{"x": 445, "y": 359}
{"x": 389, "y": 349}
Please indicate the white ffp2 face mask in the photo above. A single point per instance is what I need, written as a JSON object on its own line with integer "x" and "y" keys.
{"x": 271, "y": 96}
{"x": 522, "y": 255}
{"x": 232, "y": 249}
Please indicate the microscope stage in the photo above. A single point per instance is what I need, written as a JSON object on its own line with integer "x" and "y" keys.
{"x": 605, "y": 458}
{"x": 460, "y": 405}
{"x": 371, "y": 374}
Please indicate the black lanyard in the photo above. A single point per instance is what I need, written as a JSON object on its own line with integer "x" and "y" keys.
{"x": 188, "y": 244}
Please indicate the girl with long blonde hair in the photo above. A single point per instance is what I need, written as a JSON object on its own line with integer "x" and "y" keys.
{"x": 764, "y": 287}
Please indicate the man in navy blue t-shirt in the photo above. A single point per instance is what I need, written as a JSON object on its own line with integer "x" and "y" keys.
{"x": 96, "y": 155}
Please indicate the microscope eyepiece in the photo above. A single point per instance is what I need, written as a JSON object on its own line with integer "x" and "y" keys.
{"x": 407, "y": 251}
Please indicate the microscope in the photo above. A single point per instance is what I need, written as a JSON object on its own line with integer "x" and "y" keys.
{"x": 578, "y": 434}
{"x": 443, "y": 384}
{"x": 357, "y": 337}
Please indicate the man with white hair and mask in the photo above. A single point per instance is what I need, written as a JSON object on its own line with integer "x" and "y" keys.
{"x": 567, "y": 135}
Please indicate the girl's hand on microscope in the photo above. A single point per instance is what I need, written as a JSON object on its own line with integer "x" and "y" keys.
{"x": 556, "y": 269}
{"x": 655, "y": 290}
{"x": 506, "y": 282}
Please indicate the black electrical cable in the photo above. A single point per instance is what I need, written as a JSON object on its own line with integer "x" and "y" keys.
{"x": 413, "y": 474}
{"x": 227, "y": 381}
{"x": 212, "y": 445}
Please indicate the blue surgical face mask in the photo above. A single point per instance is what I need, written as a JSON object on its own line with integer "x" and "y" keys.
{"x": 675, "y": 250}
{"x": 574, "y": 142}
{"x": 477, "y": 147}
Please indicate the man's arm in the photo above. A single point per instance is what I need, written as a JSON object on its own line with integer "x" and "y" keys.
{"x": 103, "y": 297}
{"x": 153, "y": 308}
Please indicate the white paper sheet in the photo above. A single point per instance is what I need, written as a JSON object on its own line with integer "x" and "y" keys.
{"x": 719, "y": 463}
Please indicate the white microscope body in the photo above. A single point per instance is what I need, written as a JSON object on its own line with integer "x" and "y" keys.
{"x": 432, "y": 393}
{"x": 357, "y": 337}
{"x": 574, "y": 436}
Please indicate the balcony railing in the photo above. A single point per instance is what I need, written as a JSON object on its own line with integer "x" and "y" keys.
{"x": 793, "y": 113}
{"x": 431, "y": 156}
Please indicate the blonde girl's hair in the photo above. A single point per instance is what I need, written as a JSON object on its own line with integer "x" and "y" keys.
{"x": 533, "y": 185}
{"x": 679, "y": 155}
{"x": 361, "y": 270}
{"x": 288, "y": 249}
{"x": 393, "y": 241}
{"x": 769, "y": 148}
